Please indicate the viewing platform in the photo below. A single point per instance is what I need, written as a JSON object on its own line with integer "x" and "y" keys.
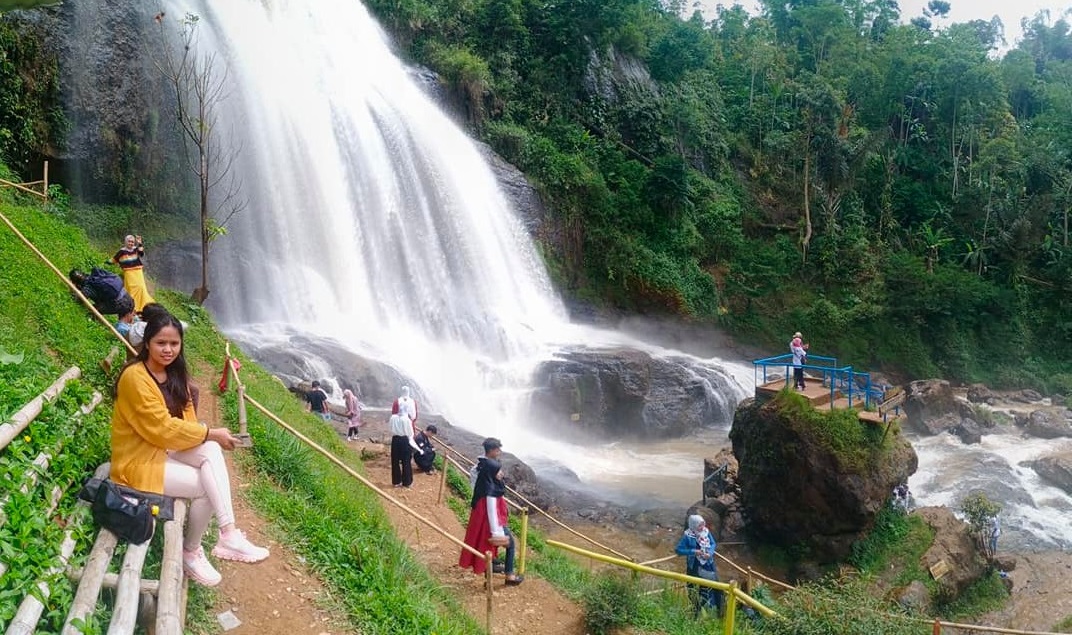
{"x": 828, "y": 386}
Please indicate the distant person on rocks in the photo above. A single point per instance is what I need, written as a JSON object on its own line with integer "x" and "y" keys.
{"x": 800, "y": 354}
{"x": 698, "y": 545}
{"x": 407, "y": 406}
{"x": 403, "y": 446}
{"x": 103, "y": 288}
{"x": 426, "y": 459}
{"x": 995, "y": 533}
{"x": 129, "y": 260}
{"x": 318, "y": 401}
{"x": 487, "y": 529}
{"x": 353, "y": 414}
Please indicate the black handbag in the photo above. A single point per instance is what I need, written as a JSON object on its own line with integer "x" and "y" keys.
{"x": 128, "y": 513}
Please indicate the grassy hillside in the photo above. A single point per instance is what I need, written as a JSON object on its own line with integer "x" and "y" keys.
{"x": 335, "y": 524}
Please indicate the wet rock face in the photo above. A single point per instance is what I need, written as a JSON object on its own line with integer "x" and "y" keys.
{"x": 1055, "y": 469}
{"x": 795, "y": 490}
{"x": 1048, "y": 424}
{"x": 927, "y": 401}
{"x": 954, "y": 545}
{"x": 627, "y": 393}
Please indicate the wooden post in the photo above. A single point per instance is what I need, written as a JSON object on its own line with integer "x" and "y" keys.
{"x": 245, "y": 441}
{"x": 46, "y": 180}
{"x": 442, "y": 481}
{"x": 937, "y": 628}
{"x": 170, "y": 606}
{"x": 524, "y": 540}
{"x": 487, "y": 586}
{"x": 730, "y": 616}
{"x": 128, "y": 590}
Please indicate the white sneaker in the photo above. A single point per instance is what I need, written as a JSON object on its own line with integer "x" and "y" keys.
{"x": 234, "y": 546}
{"x": 199, "y": 569}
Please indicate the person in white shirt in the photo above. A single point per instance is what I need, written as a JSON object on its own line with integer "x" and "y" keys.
{"x": 402, "y": 447}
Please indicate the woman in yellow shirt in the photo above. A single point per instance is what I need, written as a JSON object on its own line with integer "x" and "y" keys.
{"x": 129, "y": 260}
{"x": 159, "y": 446}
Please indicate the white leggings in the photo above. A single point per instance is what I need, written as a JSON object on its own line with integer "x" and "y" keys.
{"x": 200, "y": 475}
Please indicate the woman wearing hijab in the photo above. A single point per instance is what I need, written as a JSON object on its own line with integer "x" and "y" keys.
{"x": 129, "y": 260}
{"x": 406, "y": 406}
{"x": 402, "y": 447}
{"x": 698, "y": 545}
{"x": 353, "y": 413}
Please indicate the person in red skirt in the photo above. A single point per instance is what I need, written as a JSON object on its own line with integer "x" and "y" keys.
{"x": 487, "y": 529}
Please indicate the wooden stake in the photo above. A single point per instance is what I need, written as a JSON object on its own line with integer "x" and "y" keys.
{"x": 487, "y": 586}
{"x": 45, "y": 179}
{"x": 442, "y": 481}
{"x": 170, "y": 604}
{"x": 524, "y": 540}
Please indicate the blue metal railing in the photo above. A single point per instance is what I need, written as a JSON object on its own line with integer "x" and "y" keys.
{"x": 843, "y": 380}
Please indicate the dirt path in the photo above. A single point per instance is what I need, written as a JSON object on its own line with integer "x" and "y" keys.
{"x": 279, "y": 595}
{"x": 533, "y": 608}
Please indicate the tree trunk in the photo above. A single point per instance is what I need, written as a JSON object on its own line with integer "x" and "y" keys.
{"x": 201, "y": 293}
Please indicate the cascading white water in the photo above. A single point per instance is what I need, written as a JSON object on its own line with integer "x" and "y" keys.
{"x": 374, "y": 220}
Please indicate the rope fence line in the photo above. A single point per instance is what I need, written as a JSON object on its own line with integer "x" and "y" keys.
{"x": 73, "y": 288}
{"x": 545, "y": 514}
{"x": 384, "y": 495}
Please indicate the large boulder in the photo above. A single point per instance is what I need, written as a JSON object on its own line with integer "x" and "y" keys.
{"x": 980, "y": 393}
{"x": 953, "y": 545}
{"x": 927, "y": 400}
{"x": 1055, "y": 469}
{"x": 596, "y": 393}
{"x": 809, "y": 479}
{"x": 1049, "y": 424}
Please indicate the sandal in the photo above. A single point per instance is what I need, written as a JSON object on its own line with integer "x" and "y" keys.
{"x": 516, "y": 580}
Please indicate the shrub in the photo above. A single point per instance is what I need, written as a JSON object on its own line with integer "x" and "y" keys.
{"x": 609, "y": 604}
{"x": 845, "y": 608}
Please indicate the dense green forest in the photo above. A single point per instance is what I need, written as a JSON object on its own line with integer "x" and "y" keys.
{"x": 898, "y": 191}
{"x": 894, "y": 188}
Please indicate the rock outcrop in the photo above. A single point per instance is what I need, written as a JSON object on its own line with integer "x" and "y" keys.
{"x": 1048, "y": 424}
{"x": 953, "y": 545}
{"x": 1055, "y": 469}
{"x": 628, "y": 393}
{"x": 807, "y": 479}
{"x": 929, "y": 400}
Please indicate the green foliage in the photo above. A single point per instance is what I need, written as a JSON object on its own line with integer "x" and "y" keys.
{"x": 609, "y": 604}
{"x": 854, "y": 444}
{"x": 1064, "y": 626}
{"x": 844, "y": 608}
{"x": 980, "y": 512}
{"x": 31, "y": 117}
{"x": 985, "y": 595}
{"x": 897, "y": 541}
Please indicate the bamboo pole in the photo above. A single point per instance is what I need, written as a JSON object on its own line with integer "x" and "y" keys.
{"x": 25, "y": 621}
{"x": 45, "y": 179}
{"x": 110, "y": 580}
{"x": 90, "y": 580}
{"x": 669, "y": 575}
{"x": 168, "y": 611}
{"x": 109, "y": 359}
{"x": 27, "y": 413}
{"x": 70, "y": 285}
{"x": 550, "y": 517}
{"x": 367, "y": 483}
{"x": 23, "y": 188}
{"x": 127, "y": 591}
{"x": 648, "y": 563}
{"x": 487, "y": 587}
{"x": 524, "y": 540}
{"x": 729, "y": 618}
{"x": 753, "y": 572}
{"x": 245, "y": 440}
{"x": 442, "y": 482}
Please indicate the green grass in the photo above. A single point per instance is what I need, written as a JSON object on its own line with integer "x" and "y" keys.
{"x": 1064, "y": 626}
{"x": 984, "y": 595}
{"x": 853, "y": 444}
{"x": 898, "y": 542}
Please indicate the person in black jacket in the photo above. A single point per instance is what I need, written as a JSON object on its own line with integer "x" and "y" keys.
{"x": 104, "y": 289}
{"x": 426, "y": 459}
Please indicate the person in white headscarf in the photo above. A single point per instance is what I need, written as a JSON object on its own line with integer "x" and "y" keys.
{"x": 402, "y": 446}
{"x": 698, "y": 545}
{"x": 406, "y": 406}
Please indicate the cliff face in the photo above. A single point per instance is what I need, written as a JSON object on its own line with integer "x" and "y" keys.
{"x": 811, "y": 479}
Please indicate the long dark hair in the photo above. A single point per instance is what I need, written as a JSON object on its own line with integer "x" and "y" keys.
{"x": 176, "y": 389}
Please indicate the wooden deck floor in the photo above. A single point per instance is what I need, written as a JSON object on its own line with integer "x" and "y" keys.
{"x": 820, "y": 398}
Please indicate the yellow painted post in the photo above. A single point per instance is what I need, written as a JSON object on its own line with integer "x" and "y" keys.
{"x": 524, "y": 540}
{"x": 487, "y": 585}
{"x": 730, "y": 616}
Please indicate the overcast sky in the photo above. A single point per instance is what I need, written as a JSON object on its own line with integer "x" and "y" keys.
{"x": 1010, "y": 11}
